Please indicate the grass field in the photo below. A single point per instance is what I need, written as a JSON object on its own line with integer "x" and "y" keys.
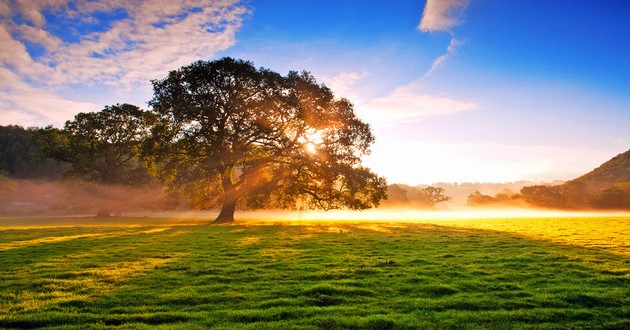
{"x": 558, "y": 273}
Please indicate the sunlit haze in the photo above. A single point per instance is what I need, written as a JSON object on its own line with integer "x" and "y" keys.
{"x": 455, "y": 90}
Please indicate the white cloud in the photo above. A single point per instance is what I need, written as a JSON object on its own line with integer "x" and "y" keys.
{"x": 409, "y": 103}
{"x": 13, "y": 55}
{"x": 441, "y": 61}
{"x": 23, "y": 104}
{"x": 145, "y": 40}
{"x": 342, "y": 83}
{"x": 39, "y": 36}
{"x": 441, "y": 15}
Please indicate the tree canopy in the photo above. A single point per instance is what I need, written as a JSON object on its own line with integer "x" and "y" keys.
{"x": 21, "y": 158}
{"x": 102, "y": 147}
{"x": 431, "y": 196}
{"x": 230, "y": 134}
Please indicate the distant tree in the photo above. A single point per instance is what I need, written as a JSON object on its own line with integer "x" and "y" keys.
{"x": 504, "y": 196}
{"x": 570, "y": 195}
{"x": 20, "y": 157}
{"x": 232, "y": 134}
{"x": 479, "y": 199}
{"x": 396, "y": 194}
{"x": 574, "y": 195}
{"x": 616, "y": 197}
{"x": 431, "y": 196}
{"x": 543, "y": 196}
{"x": 102, "y": 147}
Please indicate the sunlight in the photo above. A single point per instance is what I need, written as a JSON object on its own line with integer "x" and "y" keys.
{"x": 595, "y": 230}
{"x": 411, "y": 215}
{"x": 312, "y": 140}
{"x": 311, "y": 148}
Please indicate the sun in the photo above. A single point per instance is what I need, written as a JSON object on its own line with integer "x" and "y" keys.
{"x": 311, "y": 147}
{"x": 312, "y": 140}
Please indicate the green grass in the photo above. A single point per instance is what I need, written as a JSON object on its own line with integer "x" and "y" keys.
{"x": 165, "y": 273}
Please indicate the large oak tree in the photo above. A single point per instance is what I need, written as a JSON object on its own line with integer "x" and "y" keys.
{"x": 230, "y": 134}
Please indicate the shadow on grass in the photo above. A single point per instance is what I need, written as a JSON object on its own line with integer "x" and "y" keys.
{"x": 275, "y": 276}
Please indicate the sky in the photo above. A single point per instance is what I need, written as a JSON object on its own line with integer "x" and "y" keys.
{"x": 454, "y": 90}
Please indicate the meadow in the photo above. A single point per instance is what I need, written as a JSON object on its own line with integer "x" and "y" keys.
{"x": 179, "y": 272}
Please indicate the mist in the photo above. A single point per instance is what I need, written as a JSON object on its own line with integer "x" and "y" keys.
{"x": 43, "y": 197}
{"x": 59, "y": 198}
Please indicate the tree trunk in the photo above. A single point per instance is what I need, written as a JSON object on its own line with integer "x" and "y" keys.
{"x": 230, "y": 196}
{"x": 227, "y": 211}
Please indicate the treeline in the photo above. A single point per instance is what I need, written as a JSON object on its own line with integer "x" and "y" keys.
{"x": 33, "y": 183}
{"x": 418, "y": 197}
{"x": 568, "y": 196}
{"x": 21, "y": 156}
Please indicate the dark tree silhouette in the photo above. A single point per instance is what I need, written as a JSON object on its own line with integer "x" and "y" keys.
{"x": 543, "y": 196}
{"x": 232, "y": 134}
{"x": 616, "y": 197}
{"x": 396, "y": 194}
{"x": 479, "y": 199}
{"x": 431, "y": 196}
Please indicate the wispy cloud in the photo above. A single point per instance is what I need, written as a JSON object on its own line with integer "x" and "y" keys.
{"x": 117, "y": 43}
{"x": 342, "y": 84}
{"x": 441, "y": 15}
{"x": 31, "y": 106}
{"x": 441, "y": 61}
{"x": 410, "y": 103}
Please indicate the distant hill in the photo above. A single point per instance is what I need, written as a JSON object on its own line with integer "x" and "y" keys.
{"x": 606, "y": 187}
{"x": 614, "y": 171}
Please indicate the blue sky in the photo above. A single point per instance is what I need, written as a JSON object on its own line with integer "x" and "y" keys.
{"x": 456, "y": 91}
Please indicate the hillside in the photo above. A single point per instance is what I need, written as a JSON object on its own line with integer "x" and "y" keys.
{"x": 616, "y": 170}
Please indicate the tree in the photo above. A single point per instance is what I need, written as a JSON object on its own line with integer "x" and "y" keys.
{"x": 102, "y": 147}
{"x": 232, "y": 134}
{"x": 479, "y": 199}
{"x": 20, "y": 157}
{"x": 397, "y": 194}
{"x": 431, "y": 196}
{"x": 543, "y": 196}
{"x": 615, "y": 197}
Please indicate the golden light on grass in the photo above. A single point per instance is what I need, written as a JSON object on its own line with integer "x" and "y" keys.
{"x": 91, "y": 281}
{"x": 57, "y": 239}
{"x": 606, "y": 231}
{"x": 45, "y": 240}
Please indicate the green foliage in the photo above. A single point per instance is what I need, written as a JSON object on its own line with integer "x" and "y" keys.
{"x": 229, "y": 133}
{"x": 174, "y": 273}
{"x": 103, "y": 147}
{"x": 20, "y": 157}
